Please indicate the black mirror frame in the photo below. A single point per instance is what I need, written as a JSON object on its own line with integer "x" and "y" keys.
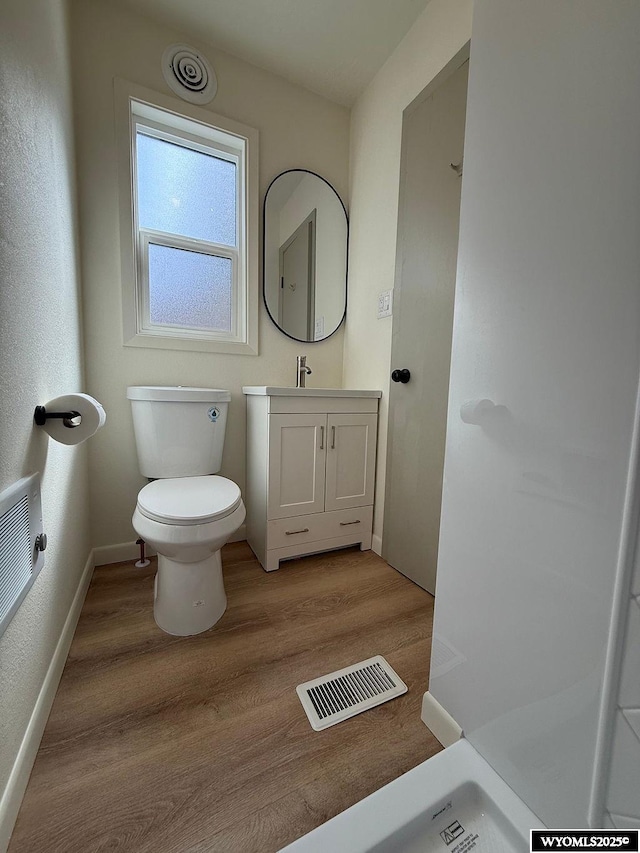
{"x": 264, "y": 252}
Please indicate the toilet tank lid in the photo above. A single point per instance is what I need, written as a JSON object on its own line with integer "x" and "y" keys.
{"x": 178, "y": 394}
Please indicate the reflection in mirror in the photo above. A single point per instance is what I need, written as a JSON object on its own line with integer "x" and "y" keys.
{"x": 305, "y": 255}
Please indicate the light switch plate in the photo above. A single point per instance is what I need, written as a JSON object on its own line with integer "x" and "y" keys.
{"x": 385, "y": 304}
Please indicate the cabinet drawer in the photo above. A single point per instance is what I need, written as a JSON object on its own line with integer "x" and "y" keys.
{"x": 285, "y": 532}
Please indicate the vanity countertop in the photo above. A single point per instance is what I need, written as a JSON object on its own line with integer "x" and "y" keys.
{"x": 284, "y": 391}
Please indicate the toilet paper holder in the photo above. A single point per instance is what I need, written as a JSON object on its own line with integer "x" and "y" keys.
{"x": 69, "y": 419}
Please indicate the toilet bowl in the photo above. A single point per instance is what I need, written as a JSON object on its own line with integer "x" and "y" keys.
{"x": 187, "y": 520}
{"x": 186, "y": 513}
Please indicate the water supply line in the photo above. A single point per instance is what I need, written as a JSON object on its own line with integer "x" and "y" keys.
{"x": 142, "y": 562}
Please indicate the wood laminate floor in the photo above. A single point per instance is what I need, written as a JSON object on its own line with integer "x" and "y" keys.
{"x": 158, "y": 744}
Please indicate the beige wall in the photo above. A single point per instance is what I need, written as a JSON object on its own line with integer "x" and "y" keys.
{"x": 376, "y": 132}
{"x": 40, "y": 338}
{"x": 297, "y": 129}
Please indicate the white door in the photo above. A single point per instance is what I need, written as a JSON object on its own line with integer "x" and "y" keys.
{"x": 433, "y": 138}
{"x": 296, "y": 464}
{"x": 351, "y": 459}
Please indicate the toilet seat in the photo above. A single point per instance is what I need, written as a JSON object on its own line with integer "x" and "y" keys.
{"x": 189, "y": 500}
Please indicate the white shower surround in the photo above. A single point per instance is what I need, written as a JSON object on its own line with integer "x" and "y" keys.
{"x": 540, "y": 498}
{"x": 623, "y": 790}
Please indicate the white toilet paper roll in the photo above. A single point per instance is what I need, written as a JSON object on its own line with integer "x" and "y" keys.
{"x": 92, "y": 415}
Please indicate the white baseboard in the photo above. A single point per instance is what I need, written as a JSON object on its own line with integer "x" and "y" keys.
{"x": 439, "y": 721}
{"x": 14, "y": 792}
{"x": 376, "y": 544}
{"x": 120, "y": 553}
{"x": 124, "y": 551}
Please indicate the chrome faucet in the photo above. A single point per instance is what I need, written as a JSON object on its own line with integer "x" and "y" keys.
{"x": 302, "y": 371}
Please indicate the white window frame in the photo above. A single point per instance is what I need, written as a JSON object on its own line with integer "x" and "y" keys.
{"x": 165, "y": 117}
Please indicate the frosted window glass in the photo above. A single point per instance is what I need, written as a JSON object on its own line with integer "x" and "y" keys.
{"x": 189, "y": 289}
{"x": 185, "y": 192}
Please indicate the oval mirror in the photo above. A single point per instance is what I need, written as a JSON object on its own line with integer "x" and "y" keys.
{"x": 305, "y": 255}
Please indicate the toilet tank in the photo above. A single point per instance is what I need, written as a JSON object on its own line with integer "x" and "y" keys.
{"x": 179, "y": 430}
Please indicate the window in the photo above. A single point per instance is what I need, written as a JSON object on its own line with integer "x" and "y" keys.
{"x": 189, "y": 226}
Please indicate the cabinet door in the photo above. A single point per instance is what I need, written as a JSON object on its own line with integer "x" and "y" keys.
{"x": 351, "y": 457}
{"x": 296, "y": 464}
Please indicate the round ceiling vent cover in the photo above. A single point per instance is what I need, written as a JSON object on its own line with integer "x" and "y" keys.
{"x": 189, "y": 74}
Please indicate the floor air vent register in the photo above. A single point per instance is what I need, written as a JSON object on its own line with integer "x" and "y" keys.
{"x": 21, "y": 544}
{"x": 342, "y": 694}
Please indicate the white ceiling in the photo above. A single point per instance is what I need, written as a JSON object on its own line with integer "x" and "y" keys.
{"x": 333, "y": 47}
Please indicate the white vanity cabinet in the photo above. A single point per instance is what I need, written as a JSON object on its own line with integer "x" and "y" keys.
{"x": 310, "y": 470}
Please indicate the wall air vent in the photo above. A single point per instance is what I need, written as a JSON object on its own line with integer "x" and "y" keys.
{"x": 21, "y": 544}
{"x": 189, "y": 74}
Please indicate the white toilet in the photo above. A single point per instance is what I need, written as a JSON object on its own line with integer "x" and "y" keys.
{"x": 185, "y": 514}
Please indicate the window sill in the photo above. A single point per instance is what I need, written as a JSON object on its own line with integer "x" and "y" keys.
{"x": 191, "y": 345}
